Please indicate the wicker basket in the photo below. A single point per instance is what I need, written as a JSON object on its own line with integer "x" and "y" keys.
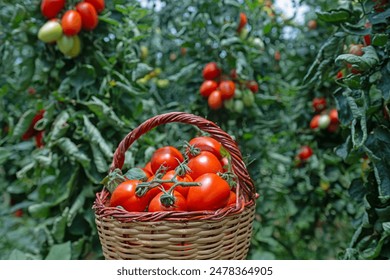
{"x": 222, "y": 234}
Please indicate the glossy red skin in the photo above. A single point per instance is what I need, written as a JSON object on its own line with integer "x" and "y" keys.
{"x": 253, "y": 86}
{"x": 182, "y": 190}
{"x": 319, "y": 104}
{"x": 124, "y": 195}
{"x": 31, "y": 131}
{"x": 206, "y": 143}
{"x": 168, "y": 156}
{"x": 51, "y": 8}
{"x": 243, "y": 21}
{"x": 225, "y": 163}
{"x": 148, "y": 168}
{"x": 204, "y": 163}
{"x": 305, "y": 153}
{"x": 232, "y": 198}
{"x": 213, "y": 193}
{"x": 98, "y": 4}
{"x": 71, "y": 23}
{"x": 339, "y": 75}
{"x": 227, "y": 89}
{"x": 89, "y": 17}
{"x": 314, "y": 122}
{"x": 334, "y": 116}
{"x": 208, "y": 87}
{"x": 180, "y": 203}
{"x": 211, "y": 71}
{"x": 215, "y": 100}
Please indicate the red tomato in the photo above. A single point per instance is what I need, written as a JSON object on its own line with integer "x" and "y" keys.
{"x": 98, "y": 4}
{"x": 71, "y": 22}
{"x": 148, "y": 168}
{"x": 180, "y": 203}
{"x": 227, "y": 89}
{"x": 124, "y": 195}
{"x": 233, "y": 74}
{"x": 51, "y": 8}
{"x": 203, "y": 163}
{"x": 243, "y": 21}
{"x": 334, "y": 116}
{"x": 31, "y": 131}
{"x": 212, "y": 194}
{"x": 314, "y": 123}
{"x": 312, "y": 24}
{"x": 89, "y": 17}
{"x": 215, "y": 100}
{"x": 277, "y": 55}
{"x": 253, "y": 86}
{"x": 225, "y": 163}
{"x": 208, "y": 87}
{"x": 180, "y": 189}
{"x": 211, "y": 71}
{"x": 333, "y": 127}
{"x": 356, "y": 49}
{"x": 168, "y": 156}
{"x": 305, "y": 153}
{"x": 339, "y": 75}
{"x": 319, "y": 104}
{"x": 39, "y": 139}
{"x": 205, "y": 143}
{"x": 232, "y": 198}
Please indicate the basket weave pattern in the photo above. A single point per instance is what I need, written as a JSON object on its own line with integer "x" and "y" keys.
{"x": 221, "y": 234}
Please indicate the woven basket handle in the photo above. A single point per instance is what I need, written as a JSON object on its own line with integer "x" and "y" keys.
{"x": 245, "y": 182}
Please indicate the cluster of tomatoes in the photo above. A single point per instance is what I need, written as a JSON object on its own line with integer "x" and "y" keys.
{"x": 64, "y": 32}
{"x": 324, "y": 119}
{"x": 195, "y": 180}
{"x": 226, "y": 91}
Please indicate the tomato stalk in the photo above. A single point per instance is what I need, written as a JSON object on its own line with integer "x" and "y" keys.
{"x": 113, "y": 179}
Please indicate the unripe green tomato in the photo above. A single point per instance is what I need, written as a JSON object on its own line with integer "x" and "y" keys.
{"x": 229, "y": 104}
{"x": 238, "y": 106}
{"x": 162, "y": 83}
{"x": 244, "y": 33}
{"x": 51, "y": 31}
{"x": 323, "y": 121}
{"x": 65, "y": 43}
{"x": 144, "y": 52}
{"x": 76, "y": 49}
{"x": 248, "y": 98}
{"x": 238, "y": 94}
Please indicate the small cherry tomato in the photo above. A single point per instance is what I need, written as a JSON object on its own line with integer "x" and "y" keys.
{"x": 205, "y": 162}
{"x": 51, "y": 31}
{"x": 98, "y": 4}
{"x": 51, "y": 8}
{"x": 314, "y": 122}
{"x": 334, "y": 116}
{"x": 215, "y": 100}
{"x": 323, "y": 121}
{"x": 243, "y": 21}
{"x": 305, "y": 152}
{"x": 208, "y": 87}
{"x": 319, "y": 104}
{"x": 211, "y": 71}
{"x": 253, "y": 86}
{"x": 89, "y": 17}
{"x": 71, "y": 22}
{"x": 227, "y": 89}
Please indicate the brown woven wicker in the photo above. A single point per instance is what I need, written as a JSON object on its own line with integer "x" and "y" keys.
{"x": 222, "y": 234}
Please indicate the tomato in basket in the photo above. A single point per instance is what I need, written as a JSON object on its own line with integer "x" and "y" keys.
{"x": 204, "y": 143}
{"x": 167, "y": 156}
{"x": 174, "y": 202}
{"x": 124, "y": 196}
{"x": 205, "y": 162}
{"x": 212, "y": 194}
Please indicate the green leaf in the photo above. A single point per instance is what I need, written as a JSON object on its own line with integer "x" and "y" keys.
{"x": 384, "y": 83}
{"x": 380, "y": 40}
{"x": 60, "y": 126}
{"x": 136, "y": 174}
{"x": 60, "y": 252}
{"x": 357, "y": 190}
{"x": 335, "y": 16}
{"x": 23, "y": 124}
{"x": 184, "y": 72}
{"x": 104, "y": 112}
{"x": 82, "y": 77}
{"x": 368, "y": 60}
{"x": 40, "y": 210}
{"x": 98, "y": 159}
{"x": 59, "y": 226}
{"x": 95, "y": 137}
{"x": 71, "y": 150}
{"x": 140, "y": 71}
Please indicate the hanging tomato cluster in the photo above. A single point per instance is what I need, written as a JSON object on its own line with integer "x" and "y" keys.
{"x": 226, "y": 91}
{"x": 324, "y": 119}
{"x": 198, "y": 179}
{"x": 64, "y": 31}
